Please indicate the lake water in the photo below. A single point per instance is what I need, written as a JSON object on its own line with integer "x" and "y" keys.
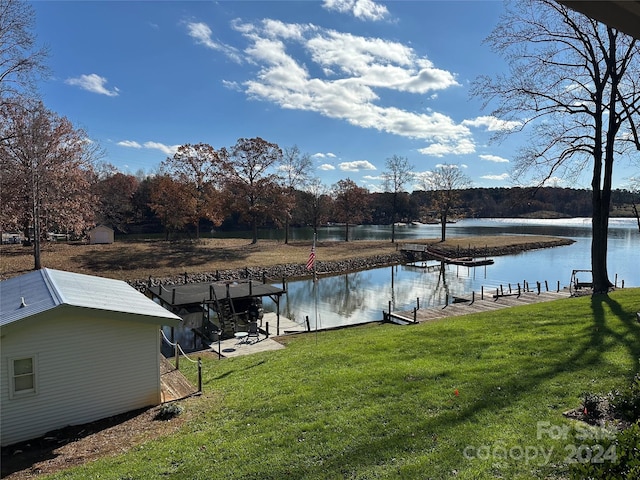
{"x": 361, "y": 297}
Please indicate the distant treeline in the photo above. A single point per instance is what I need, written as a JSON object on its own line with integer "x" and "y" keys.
{"x": 547, "y": 202}
{"x": 418, "y": 206}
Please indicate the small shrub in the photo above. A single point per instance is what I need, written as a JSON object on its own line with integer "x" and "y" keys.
{"x": 625, "y": 404}
{"x": 168, "y": 411}
{"x": 620, "y": 460}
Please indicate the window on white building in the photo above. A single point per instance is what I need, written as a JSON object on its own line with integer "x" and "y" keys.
{"x": 23, "y": 376}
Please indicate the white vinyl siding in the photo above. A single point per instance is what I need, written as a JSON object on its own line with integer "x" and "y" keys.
{"x": 87, "y": 369}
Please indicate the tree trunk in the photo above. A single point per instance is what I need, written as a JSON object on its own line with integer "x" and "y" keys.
{"x": 635, "y": 212}
{"x": 602, "y": 195}
{"x": 254, "y": 239}
{"x": 37, "y": 263}
{"x": 393, "y": 217}
{"x": 599, "y": 240}
{"x": 36, "y": 249}
{"x": 443, "y": 226}
{"x": 286, "y": 231}
{"x": 346, "y": 232}
{"x": 601, "y": 200}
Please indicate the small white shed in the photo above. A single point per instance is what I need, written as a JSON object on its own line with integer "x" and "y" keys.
{"x": 73, "y": 349}
{"x": 101, "y": 234}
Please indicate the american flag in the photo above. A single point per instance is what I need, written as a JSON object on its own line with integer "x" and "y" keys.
{"x": 312, "y": 258}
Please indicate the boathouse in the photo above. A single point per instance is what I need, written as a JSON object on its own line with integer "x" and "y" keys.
{"x": 213, "y": 310}
{"x": 74, "y": 349}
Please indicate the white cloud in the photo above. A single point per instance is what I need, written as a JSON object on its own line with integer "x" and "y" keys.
{"x": 129, "y": 143}
{"x": 93, "y": 83}
{"x": 232, "y": 85}
{"x": 494, "y": 158}
{"x": 492, "y": 124}
{"x": 356, "y": 166}
{"x": 323, "y": 155}
{"x": 353, "y": 73}
{"x": 376, "y": 62}
{"x": 553, "y": 182}
{"x": 502, "y": 177}
{"x": 202, "y": 34}
{"x": 363, "y": 9}
{"x": 166, "y": 149}
{"x": 327, "y": 167}
{"x": 462, "y": 146}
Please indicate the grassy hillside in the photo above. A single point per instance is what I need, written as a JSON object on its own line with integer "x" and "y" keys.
{"x": 474, "y": 397}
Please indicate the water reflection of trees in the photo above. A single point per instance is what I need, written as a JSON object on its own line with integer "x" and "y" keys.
{"x": 346, "y": 293}
{"x": 439, "y": 285}
{"x": 341, "y": 295}
{"x": 361, "y": 296}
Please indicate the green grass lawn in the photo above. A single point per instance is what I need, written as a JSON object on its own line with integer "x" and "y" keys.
{"x": 472, "y": 397}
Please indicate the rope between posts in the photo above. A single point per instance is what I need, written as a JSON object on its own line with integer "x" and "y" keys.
{"x": 176, "y": 344}
{"x": 166, "y": 339}
{"x": 185, "y": 355}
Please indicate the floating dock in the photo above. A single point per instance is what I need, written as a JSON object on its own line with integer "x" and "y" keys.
{"x": 433, "y": 254}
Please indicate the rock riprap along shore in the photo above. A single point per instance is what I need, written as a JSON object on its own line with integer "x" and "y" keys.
{"x": 290, "y": 271}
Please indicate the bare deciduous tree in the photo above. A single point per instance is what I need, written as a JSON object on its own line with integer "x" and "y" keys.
{"x": 295, "y": 170}
{"x": 394, "y": 178}
{"x": 20, "y": 61}
{"x": 575, "y": 84}
{"x": 444, "y": 182}
{"x": 317, "y": 202}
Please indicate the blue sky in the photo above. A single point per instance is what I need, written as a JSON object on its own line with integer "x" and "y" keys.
{"x": 350, "y": 82}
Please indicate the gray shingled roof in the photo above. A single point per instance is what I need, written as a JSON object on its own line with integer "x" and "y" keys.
{"x": 45, "y": 289}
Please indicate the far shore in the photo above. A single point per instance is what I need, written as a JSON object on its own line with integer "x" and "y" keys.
{"x": 221, "y": 259}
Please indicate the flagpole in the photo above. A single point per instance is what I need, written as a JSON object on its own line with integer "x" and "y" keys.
{"x": 315, "y": 274}
{"x": 315, "y": 286}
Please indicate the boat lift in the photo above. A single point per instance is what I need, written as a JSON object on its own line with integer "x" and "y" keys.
{"x": 233, "y": 302}
{"x": 576, "y": 283}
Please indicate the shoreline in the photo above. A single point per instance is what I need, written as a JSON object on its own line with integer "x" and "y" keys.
{"x": 298, "y": 271}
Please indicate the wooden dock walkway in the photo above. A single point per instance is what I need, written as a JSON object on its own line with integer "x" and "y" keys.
{"x": 234, "y": 347}
{"x": 489, "y": 303}
{"x": 435, "y": 254}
